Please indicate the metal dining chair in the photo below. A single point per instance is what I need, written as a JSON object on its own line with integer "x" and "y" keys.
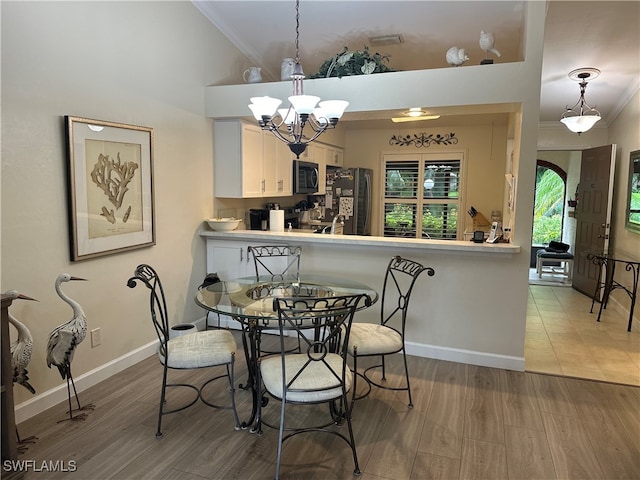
{"x": 319, "y": 374}
{"x": 209, "y": 348}
{"x": 276, "y": 261}
{"x": 388, "y": 336}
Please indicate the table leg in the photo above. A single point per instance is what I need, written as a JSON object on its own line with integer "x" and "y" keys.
{"x": 635, "y": 269}
{"x": 251, "y": 345}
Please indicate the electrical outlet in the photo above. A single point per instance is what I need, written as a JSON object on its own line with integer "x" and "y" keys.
{"x": 96, "y": 337}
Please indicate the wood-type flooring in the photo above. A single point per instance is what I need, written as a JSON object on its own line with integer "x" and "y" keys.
{"x": 469, "y": 422}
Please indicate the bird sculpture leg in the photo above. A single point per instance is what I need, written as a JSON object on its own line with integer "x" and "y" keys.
{"x": 24, "y": 442}
{"x": 89, "y": 406}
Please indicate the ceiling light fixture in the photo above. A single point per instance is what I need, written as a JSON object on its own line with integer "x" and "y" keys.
{"x": 414, "y": 114}
{"x": 383, "y": 40}
{"x": 581, "y": 117}
{"x": 301, "y": 112}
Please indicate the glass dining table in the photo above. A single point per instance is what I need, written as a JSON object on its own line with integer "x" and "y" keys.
{"x": 250, "y": 301}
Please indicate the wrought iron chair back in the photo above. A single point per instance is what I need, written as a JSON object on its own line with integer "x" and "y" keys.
{"x": 276, "y": 261}
{"x": 196, "y": 350}
{"x": 399, "y": 279}
{"x": 388, "y": 337}
{"x": 319, "y": 374}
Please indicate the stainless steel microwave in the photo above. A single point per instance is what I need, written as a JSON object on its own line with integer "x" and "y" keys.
{"x": 305, "y": 177}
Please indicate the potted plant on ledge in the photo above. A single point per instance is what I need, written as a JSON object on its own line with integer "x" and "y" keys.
{"x": 353, "y": 62}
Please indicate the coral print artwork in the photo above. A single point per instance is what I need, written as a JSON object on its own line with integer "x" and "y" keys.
{"x": 114, "y": 188}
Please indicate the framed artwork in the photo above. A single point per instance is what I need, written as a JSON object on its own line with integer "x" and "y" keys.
{"x": 633, "y": 196}
{"x": 110, "y": 181}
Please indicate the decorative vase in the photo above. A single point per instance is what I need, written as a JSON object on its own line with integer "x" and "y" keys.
{"x": 252, "y": 75}
{"x": 182, "y": 329}
{"x": 286, "y": 69}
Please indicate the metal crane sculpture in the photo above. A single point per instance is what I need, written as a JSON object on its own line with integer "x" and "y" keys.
{"x": 63, "y": 341}
{"x": 21, "y": 350}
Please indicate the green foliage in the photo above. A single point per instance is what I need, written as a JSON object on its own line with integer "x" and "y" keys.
{"x": 401, "y": 219}
{"x": 548, "y": 210}
{"x": 353, "y": 62}
{"x": 546, "y": 229}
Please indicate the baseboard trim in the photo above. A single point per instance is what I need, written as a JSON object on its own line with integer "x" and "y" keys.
{"x": 54, "y": 396}
{"x": 471, "y": 357}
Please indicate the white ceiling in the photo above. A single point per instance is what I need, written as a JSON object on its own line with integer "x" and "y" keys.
{"x": 600, "y": 34}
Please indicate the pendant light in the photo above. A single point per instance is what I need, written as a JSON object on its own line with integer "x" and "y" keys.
{"x": 581, "y": 117}
{"x": 288, "y": 124}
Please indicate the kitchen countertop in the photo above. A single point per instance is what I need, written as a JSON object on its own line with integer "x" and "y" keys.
{"x": 302, "y": 236}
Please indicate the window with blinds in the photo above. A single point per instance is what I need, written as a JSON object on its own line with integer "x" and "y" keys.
{"x": 422, "y": 196}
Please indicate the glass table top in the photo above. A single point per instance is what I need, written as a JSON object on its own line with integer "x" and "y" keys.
{"x": 248, "y": 297}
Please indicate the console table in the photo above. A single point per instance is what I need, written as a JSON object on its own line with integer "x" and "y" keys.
{"x": 608, "y": 263}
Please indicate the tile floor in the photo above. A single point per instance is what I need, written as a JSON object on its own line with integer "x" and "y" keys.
{"x": 563, "y": 338}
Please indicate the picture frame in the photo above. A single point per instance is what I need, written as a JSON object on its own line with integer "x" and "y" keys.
{"x": 110, "y": 186}
{"x": 632, "y": 218}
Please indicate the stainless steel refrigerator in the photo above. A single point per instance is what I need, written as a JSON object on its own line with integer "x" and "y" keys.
{"x": 349, "y": 194}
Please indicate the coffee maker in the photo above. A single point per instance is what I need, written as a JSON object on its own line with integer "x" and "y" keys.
{"x": 259, "y": 219}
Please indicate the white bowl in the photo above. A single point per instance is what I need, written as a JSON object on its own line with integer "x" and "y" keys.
{"x": 223, "y": 224}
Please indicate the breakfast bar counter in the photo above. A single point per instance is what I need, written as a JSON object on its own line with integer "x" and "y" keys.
{"x": 472, "y": 311}
{"x": 305, "y": 237}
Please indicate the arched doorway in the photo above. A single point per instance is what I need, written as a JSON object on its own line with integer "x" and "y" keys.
{"x": 548, "y": 209}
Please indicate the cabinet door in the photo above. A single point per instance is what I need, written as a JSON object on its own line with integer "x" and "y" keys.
{"x": 334, "y": 157}
{"x": 252, "y": 175}
{"x": 319, "y": 156}
{"x": 285, "y": 170}
{"x": 270, "y": 164}
{"x": 229, "y": 261}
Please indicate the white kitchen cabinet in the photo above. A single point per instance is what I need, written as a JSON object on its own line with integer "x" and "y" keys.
{"x": 229, "y": 260}
{"x": 249, "y": 162}
{"x": 334, "y": 156}
{"x": 237, "y": 159}
{"x": 318, "y": 155}
{"x": 284, "y": 169}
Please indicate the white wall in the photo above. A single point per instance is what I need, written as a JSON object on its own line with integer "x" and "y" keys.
{"x": 144, "y": 63}
{"x": 625, "y": 133}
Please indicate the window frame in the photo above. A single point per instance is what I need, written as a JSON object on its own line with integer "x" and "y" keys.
{"x": 420, "y": 201}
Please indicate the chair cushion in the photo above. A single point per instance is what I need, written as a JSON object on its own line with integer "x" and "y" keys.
{"x": 373, "y": 339}
{"x": 554, "y": 255}
{"x": 201, "y": 349}
{"x": 316, "y": 376}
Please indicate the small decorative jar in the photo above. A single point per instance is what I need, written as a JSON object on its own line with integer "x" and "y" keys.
{"x": 287, "y": 68}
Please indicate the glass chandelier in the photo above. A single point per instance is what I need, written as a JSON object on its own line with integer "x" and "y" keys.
{"x": 581, "y": 117}
{"x": 288, "y": 124}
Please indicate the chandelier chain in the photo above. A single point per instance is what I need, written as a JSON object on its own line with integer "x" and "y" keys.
{"x": 297, "y": 31}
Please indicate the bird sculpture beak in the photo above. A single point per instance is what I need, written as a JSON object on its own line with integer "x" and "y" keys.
{"x": 78, "y": 278}
{"x": 24, "y": 297}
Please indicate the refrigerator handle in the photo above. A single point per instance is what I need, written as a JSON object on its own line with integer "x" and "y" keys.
{"x": 367, "y": 220}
